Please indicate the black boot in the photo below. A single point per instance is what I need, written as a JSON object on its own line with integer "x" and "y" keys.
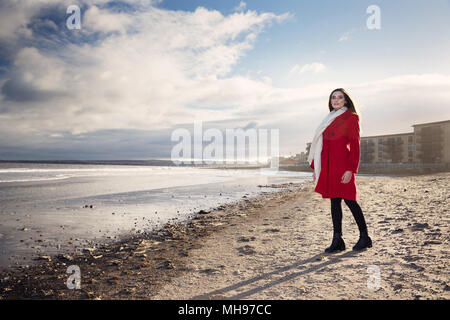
{"x": 337, "y": 244}
{"x": 363, "y": 242}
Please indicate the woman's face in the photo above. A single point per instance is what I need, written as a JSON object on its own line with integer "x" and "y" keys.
{"x": 337, "y": 100}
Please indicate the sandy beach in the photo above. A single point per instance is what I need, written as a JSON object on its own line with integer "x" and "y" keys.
{"x": 270, "y": 247}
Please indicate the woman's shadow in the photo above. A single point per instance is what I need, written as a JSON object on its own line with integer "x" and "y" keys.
{"x": 220, "y": 293}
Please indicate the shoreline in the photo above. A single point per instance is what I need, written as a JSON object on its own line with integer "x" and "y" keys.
{"x": 155, "y": 257}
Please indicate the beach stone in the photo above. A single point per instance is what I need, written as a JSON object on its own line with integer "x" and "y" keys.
{"x": 115, "y": 263}
{"x": 128, "y": 291}
{"x": 397, "y": 287}
{"x": 88, "y": 250}
{"x": 65, "y": 257}
{"x": 47, "y": 293}
{"x": 210, "y": 271}
{"x": 167, "y": 265}
{"x": 47, "y": 258}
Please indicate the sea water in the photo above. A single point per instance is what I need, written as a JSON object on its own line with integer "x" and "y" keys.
{"x": 50, "y": 208}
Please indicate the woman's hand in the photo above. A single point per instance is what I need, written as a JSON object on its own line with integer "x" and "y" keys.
{"x": 314, "y": 176}
{"x": 346, "y": 177}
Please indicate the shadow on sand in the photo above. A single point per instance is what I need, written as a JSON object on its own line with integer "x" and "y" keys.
{"x": 220, "y": 293}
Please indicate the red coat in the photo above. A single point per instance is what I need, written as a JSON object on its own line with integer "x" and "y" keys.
{"x": 340, "y": 152}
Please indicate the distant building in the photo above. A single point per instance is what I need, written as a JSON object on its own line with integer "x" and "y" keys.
{"x": 288, "y": 162}
{"x": 432, "y": 142}
{"x": 301, "y": 157}
{"x": 428, "y": 143}
{"x": 392, "y": 148}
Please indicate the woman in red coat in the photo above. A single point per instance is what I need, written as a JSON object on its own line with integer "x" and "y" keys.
{"x": 336, "y": 151}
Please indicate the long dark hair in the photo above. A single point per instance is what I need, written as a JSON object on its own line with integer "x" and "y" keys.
{"x": 348, "y": 101}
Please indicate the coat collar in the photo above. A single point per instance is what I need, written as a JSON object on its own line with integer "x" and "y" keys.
{"x": 345, "y": 115}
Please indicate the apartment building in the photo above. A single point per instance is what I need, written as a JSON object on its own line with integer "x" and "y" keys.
{"x": 432, "y": 142}
{"x": 391, "y": 148}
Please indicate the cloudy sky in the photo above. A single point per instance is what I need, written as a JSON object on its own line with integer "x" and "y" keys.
{"x": 137, "y": 70}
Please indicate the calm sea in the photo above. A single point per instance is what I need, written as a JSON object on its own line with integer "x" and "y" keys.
{"x": 46, "y": 208}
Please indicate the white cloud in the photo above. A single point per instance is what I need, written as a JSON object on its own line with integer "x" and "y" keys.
{"x": 151, "y": 73}
{"x": 96, "y": 19}
{"x": 314, "y": 67}
{"x": 15, "y": 15}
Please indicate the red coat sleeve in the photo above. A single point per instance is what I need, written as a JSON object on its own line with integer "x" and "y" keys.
{"x": 312, "y": 164}
{"x": 354, "y": 142}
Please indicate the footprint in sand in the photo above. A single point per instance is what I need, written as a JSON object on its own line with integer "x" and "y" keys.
{"x": 246, "y": 250}
{"x": 420, "y": 226}
{"x": 246, "y": 239}
{"x": 272, "y": 230}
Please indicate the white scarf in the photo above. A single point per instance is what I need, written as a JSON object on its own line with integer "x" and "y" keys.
{"x": 317, "y": 142}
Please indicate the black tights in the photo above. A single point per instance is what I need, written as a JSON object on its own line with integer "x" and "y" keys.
{"x": 336, "y": 214}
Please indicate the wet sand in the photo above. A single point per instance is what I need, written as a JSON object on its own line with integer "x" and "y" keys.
{"x": 271, "y": 247}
